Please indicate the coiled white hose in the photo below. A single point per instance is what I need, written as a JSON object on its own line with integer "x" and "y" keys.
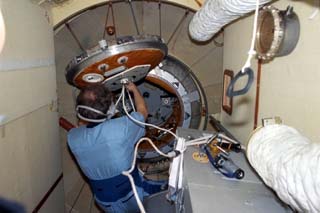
{"x": 289, "y": 163}
{"x": 217, "y": 13}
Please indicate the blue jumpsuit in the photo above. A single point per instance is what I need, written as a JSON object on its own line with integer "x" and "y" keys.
{"x": 104, "y": 151}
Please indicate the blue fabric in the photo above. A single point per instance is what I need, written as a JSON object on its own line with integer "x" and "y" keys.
{"x": 127, "y": 204}
{"x": 112, "y": 189}
{"x": 104, "y": 151}
{"x": 151, "y": 187}
{"x": 9, "y": 206}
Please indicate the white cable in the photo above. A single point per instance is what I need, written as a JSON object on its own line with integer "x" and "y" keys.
{"x": 90, "y": 109}
{"x": 316, "y": 10}
{"x": 91, "y": 120}
{"x": 134, "y": 109}
{"x": 134, "y": 189}
{"x": 197, "y": 141}
{"x": 117, "y": 102}
{"x": 289, "y": 163}
{"x": 200, "y": 141}
{"x": 252, "y": 52}
{"x": 142, "y": 123}
{"x": 127, "y": 173}
{"x": 222, "y": 150}
{"x": 227, "y": 138}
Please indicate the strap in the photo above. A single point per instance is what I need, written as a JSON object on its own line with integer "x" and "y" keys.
{"x": 111, "y": 112}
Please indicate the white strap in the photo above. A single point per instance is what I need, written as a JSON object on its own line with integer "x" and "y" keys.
{"x": 176, "y": 170}
{"x": 90, "y": 109}
{"x": 111, "y": 112}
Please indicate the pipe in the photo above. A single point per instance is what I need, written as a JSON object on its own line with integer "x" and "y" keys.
{"x": 217, "y": 13}
{"x": 288, "y": 163}
{"x": 256, "y": 108}
{"x": 216, "y": 124}
{"x": 64, "y": 123}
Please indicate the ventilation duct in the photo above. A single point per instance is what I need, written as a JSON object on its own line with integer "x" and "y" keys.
{"x": 217, "y": 13}
{"x": 289, "y": 163}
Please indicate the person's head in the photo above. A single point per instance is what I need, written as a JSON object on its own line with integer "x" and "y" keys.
{"x": 93, "y": 103}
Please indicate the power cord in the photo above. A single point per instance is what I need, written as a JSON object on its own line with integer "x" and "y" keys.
{"x": 252, "y": 52}
{"x": 171, "y": 154}
{"x": 139, "y": 122}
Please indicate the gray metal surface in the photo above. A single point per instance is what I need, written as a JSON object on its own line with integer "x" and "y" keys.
{"x": 133, "y": 74}
{"x": 291, "y": 33}
{"x": 188, "y": 88}
{"x": 210, "y": 191}
{"x": 158, "y": 203}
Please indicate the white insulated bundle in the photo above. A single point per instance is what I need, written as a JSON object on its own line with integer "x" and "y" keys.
{"x": 217, "y": 13}
{"x": 288, "y": 163}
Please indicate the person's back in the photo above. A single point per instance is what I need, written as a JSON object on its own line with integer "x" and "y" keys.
{"x": 104, "y": 150}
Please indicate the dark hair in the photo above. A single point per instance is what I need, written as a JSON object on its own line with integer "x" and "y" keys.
{"x": 97, "y": 97}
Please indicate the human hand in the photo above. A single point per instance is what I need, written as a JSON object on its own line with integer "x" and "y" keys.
{"x": 131, "y": 87}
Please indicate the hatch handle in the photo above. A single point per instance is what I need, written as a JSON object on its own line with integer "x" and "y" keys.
{"x": 247, "y": 71}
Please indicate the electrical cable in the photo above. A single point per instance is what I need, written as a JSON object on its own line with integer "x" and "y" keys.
{"x": 315, "y": 12}
{"x": 160, "y": 30}
{"x": 172, "y": 154}
{"x": 246, "y": 69}
{"x": 252, "y": 52}
{"x": 139, "y": 122}
{"x": 127, "y": 173}
{"x": 134, "y": 109}
{"x": 178, "y": 26}
{"x": 117, "y": 102}
{"x": 106, "y": 22}
{"x": 74, "y": 36}
{"x": 197, "y": 141}
{"x": 134, "y": 17}
{"x": 113, "y": 22}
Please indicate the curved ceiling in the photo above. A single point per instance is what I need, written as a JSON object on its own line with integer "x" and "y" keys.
{"x": 70, "y": 7}
{"x": 83, "y": 30}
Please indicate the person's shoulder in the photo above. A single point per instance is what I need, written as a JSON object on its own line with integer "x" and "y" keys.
{"x": 112, "y": 128}
{"x": 74, "y": 132}
{"x": 138, "y": 116}
{"x": 74, "y": 135}
{"x": 111, "y": 123}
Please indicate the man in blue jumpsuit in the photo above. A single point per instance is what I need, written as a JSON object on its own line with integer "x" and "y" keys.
{"x": 104, "y": 147}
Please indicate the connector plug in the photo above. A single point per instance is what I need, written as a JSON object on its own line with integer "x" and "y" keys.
{"x": 124, "y": 81}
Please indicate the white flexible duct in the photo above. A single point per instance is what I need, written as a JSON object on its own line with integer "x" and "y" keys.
{"x": 289, "y": 163}
{"x": 217, "y": 13}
